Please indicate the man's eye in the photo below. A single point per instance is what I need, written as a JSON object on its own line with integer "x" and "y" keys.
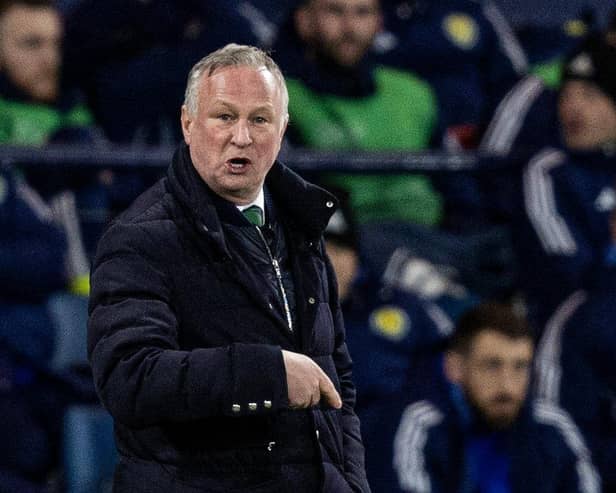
{"x": 225, "y": 117}
{"x": 31, "y": 43}
{"x": 260, "y": 119}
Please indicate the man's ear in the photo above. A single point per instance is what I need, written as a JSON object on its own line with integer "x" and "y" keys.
{"x": 454, "y": 367}
{"x": 186, "y": 120}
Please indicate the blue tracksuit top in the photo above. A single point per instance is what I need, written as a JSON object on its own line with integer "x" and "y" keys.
{"x": 394, "y": 339}
{"x": 563, "y": 237}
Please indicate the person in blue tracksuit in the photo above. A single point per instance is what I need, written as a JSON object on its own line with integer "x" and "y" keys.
{"x": 32, "y": 397}
{"x": 395, "y": 339}
{"x": 566, "y": 244}
{"x": 490, "y": 436}
{"x": 564, "y": 238}
{"x": 527, "y": 117}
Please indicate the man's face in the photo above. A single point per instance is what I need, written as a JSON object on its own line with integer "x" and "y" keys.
{"x": 587, "y": 115}
{"x": 345, "y": 262}
{"x": 30, "y": 50}
{"x": 494, "y": 376}
{"x": 237, "y": 130}
{"x": 340, "y": 30}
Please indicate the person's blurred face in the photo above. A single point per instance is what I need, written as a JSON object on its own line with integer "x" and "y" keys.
{"x": 340, "y": 30}
{"x": 494, "y": 375}
{"x": 236, "y": 132}
{"x": 30, "y": 50}
{"x": 345, "y": 262}
{"x": 587, "y": 115}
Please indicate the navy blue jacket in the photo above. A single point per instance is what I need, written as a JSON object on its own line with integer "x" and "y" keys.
{"x": 464, "y": 48}
{"x": 546, "y": 452}
{"x": 575, "y": 368}
{"x": 563, "y": 239}
{"x": 396, "y": 340}
{"x": 32, "y": 247}
{"x": 185, "y": 346}
{"x": 526, "y": 120}
{"x": 32, "y": 398}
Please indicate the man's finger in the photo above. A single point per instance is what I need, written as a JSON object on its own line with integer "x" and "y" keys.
{"x": 329, "y": 392}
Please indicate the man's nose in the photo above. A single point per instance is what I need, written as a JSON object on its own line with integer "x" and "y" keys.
{"x": 241, "y": 134}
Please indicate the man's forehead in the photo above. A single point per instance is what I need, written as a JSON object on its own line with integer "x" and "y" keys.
{"x": 23, "y": 20}
{"x": 345, "y": 5}
{"x": 238, "y": 78}
{"x": 490, "y": 341}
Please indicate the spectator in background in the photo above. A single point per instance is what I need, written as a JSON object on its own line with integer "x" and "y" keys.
{"x": 468, "y": 53}
{"x": 131, "y": 58}
{"x": 491, "y": 437}
{"x": 526, "y": 121}
{"x": 33, "y": 104}
{"x": 465, "y": 49}
{"x": 563, "y": 238}
{"x": 395, "y": 339}
{"x": 527, "y": 117}
{"x": 340, "y": 99}
{"x": 38, "y": 108}
{"x": 33, "y": 397}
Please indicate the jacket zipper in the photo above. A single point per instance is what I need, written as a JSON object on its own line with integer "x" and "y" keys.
{"x": 278, "y": 272}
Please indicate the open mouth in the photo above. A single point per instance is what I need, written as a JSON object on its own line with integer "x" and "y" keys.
{"x": 238, "y": 163}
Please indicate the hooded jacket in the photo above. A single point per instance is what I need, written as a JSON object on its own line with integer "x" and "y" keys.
{"x": 185, "y": 344}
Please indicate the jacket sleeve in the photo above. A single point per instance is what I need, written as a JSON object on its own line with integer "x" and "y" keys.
{"x": 414, "y": 459}
{"x": 504, "y": 59}
{"x": 577, "y": 473}
{"x": 354, "y": 456}
{"x": 560, "y": 219}
{"x": 141, "y": 374}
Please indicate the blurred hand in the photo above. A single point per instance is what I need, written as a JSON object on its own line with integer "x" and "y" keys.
{"x": 307, "y": 383}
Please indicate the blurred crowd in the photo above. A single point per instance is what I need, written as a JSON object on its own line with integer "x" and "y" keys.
{"x": 478, "y": 303}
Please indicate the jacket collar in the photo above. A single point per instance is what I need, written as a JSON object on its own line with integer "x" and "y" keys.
{"x": 307, "y": 207}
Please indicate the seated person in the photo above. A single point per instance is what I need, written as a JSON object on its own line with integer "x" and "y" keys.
{"x": 395, "y": 338}
{"x": 32, "y": 396}
{"x": 37, "y": 109}
{"x": 339, "y": 99}
{"x": 490, "y": 436}
{"x": 527, "y": 118}
{"x": 567, "y": 198}
{"x": 34, "y": 106}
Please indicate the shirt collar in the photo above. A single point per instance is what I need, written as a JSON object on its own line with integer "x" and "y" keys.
{"x": 259, "y": 202}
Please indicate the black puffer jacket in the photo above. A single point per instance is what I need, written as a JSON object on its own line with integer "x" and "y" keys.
{"x": 185, "y": 345}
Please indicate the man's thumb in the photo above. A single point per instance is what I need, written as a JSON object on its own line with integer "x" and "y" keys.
{"x": 330, "y": 393}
